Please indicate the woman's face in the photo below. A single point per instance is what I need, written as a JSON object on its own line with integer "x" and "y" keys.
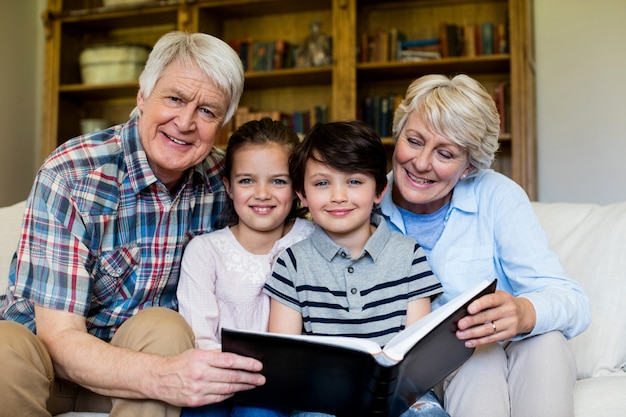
{"x": 426, "y": 167}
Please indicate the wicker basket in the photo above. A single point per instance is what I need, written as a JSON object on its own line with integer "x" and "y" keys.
{"x": 112, "y": 63}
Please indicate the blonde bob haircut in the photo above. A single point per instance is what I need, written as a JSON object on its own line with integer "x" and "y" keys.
{"x": 460, "y": 109}
{"x": 212, "y": 55}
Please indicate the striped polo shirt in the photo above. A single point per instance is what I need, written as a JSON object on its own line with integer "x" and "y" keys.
{"x": 364, "y": 297}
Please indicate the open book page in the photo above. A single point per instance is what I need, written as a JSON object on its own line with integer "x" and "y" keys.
{"x": 353, "y": 343}
{"x": 405, "y": 340}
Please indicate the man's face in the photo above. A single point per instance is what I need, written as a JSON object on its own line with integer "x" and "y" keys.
{"x": 180, "y": 121}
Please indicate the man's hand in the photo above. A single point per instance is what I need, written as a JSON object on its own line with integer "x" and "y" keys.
{"x": 192, "y": 378}
{"x": 201, "y": 377}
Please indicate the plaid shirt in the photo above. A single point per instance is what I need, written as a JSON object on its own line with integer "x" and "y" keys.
{"x": 102, "y": 237}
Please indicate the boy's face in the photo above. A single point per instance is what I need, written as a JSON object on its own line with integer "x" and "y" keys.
{"x": 341, "y": 203}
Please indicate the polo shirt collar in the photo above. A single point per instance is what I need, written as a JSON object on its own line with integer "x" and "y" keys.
{"x": 373, "y": 247}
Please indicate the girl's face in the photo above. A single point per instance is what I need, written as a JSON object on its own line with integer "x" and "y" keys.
{"x": 260, "y": 187}
{"x": 426, "y": 167}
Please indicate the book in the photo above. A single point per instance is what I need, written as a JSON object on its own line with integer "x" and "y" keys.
{"x": 396, "y": 37}
{"x": 242, "y": 47}
{"x": 413, "y": 55}
{"x": 487, "y": 38}
{"x": 352, "y": 377}
{"x": 451, "y": 39}
{"x": 499, "y": 97}
{"x": 469, "y": 39}
{"x": 501, "y": 39}
{"x": 381, "y": 46}
{"x": 405, "y": 44}
{"x": 418, "y": 50}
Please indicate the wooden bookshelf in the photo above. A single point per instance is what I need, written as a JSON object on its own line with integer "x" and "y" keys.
{"x": 341, "y": 86}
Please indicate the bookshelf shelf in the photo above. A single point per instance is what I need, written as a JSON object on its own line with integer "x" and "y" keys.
{"x": 341, "y": 87}
{"x": 484, "y": 64}
{"x": 289, "y": 77}
{"x": 99, "y": 90}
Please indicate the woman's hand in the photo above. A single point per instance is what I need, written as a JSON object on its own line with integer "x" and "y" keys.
{"x": 496, "y": 317}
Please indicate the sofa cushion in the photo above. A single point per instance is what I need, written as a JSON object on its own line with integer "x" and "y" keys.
{"x": 602, "y": 396}
{"x": 590, "y": 240}
{"x": 10, "y": 225}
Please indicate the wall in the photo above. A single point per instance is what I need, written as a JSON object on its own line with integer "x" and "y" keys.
{"x": 21, "y": 79}
{"x": 581, "y": 100}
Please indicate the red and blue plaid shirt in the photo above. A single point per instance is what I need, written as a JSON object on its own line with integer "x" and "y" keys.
{"x": 102, "y": 237}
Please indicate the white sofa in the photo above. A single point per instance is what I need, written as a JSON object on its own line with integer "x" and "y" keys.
{"x": 590, "y": 240}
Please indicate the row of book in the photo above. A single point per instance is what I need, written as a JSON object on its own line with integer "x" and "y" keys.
{"x": 265, "y": 55}
{"x": 378, "y": 110}
{"x": 300, "y": 121}
{"x": 469, "y": 39}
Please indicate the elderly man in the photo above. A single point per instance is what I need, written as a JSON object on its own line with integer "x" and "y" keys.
{"x": 89, "y": 318}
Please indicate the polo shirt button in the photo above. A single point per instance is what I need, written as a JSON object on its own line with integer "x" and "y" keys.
{"x": 353, "y": 290}
{"x": 350, "y": 269}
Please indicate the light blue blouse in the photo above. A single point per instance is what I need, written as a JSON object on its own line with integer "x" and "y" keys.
{"x": 491, "y": 231}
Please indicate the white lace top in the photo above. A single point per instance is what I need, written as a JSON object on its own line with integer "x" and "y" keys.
{"x": 221, "y": 283}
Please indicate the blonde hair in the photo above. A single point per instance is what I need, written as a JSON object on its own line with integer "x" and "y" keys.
{"x": 459, "y": 109}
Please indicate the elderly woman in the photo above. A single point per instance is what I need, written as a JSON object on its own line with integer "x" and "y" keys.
{"x": 475, "y": 223}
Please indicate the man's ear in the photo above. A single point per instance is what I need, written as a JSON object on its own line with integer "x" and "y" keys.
{"x": 302, "y": 198}
{"x": 140, "y": 101}
{"x": 379, "y": 197}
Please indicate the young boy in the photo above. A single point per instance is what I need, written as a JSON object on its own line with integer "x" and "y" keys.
{"x": 353, "y": 276}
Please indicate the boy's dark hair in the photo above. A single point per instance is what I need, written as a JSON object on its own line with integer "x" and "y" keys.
{"x": 256, "y": 132}
{"x": 345, "y": 146}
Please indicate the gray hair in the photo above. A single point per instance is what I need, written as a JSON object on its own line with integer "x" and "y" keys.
{"x": 214, "y": 56}
{"x": 459, "y": 109}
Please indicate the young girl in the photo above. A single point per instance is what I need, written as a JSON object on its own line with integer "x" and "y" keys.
{"x": 223, "y": 272}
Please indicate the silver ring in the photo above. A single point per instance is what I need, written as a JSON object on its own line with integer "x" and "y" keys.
{"x": 493, "y": 324}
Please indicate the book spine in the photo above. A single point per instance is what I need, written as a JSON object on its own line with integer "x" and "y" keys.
{"x": 382, "y": 387}
{"x": 501, "y": 40}
{"x": 469, "y": 40}
{"x": 487, "y": 38}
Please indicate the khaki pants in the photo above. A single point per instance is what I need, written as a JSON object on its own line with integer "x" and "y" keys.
{"x": 28, "y": 386}
{"x": 531, "y": 377}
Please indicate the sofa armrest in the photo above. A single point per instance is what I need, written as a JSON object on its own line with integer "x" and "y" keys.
{"x": 10, "y": 226}
{"x": 589, "y": 240}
